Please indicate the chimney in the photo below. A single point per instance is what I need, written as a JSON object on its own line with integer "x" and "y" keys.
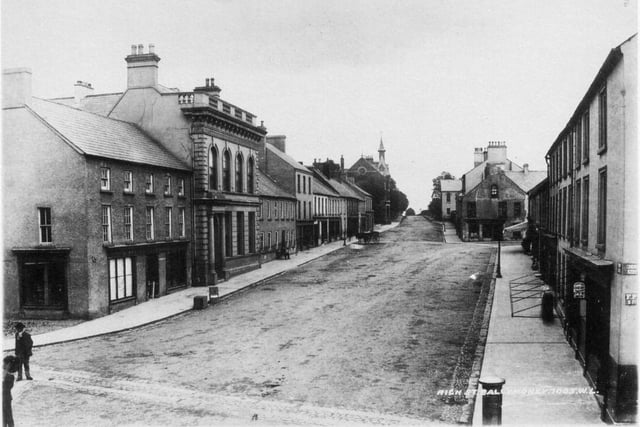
{"x": 497, "y": 152}
{"x": 525, "y": 168}
{"x": 278, "y": 141}
{"x": 81, "y": 91}
{"x": 478, "y": 156}
{"x": 209, "y": 88}
{"x": 341, "y": 162}
{"x": 142, "y": 68}
{"x": 16, "y": 87}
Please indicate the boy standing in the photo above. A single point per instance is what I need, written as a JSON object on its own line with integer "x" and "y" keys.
{"x": 24, "y": 343}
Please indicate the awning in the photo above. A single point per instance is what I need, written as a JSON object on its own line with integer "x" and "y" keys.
{"x": 517, "y": 227}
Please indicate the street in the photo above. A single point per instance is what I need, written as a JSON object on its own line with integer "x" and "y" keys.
{"x": 367, "y": 334}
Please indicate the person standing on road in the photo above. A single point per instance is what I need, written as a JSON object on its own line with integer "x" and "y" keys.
{"x": 9, "y": 366}
{"x": 24, "y": 343}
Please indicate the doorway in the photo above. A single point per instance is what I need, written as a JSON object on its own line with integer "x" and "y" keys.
{"x": 153, "y": 277}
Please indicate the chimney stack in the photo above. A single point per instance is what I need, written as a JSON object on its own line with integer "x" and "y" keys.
{"x": 278, "y": 141}
{"x": 478, "y": 156}
{"x": 81, "y": 91}
{"x": 497, "y": 152}
{"x": 525, "y": 168}
{"x": 341, "y": 162}
{"x": 16, "y": 87}
{"x": 209, "y": 88}
{"x": 142, "y": 68}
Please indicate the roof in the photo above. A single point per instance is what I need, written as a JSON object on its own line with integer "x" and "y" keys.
{"x": 526, "y": 181}
{"x": 318, "y": 187}
{"x": 345, "y": 189}
{"x": 450, "y": 185}
{"x": 101, "y": 104}
{"x": 358, "y": 189}
{"x": 268, "y": 187}
{"x": 290, "y": 160}
{"x": 95, "y": 135}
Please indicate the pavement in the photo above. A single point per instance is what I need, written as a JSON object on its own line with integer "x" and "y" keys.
{"x": 158, "y": 309}
{"x": 449, "y": 230}
{"x": 544, "y": 384}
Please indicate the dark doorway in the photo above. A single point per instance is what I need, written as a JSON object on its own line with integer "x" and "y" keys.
{"x": 153, "y": 276}
{"x": 218, "y": 242}
{"x": 44, "y": 284}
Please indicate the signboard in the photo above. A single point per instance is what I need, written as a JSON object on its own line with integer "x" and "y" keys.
{"x": 630, "y": 299}
{"x": 579, "y": 290}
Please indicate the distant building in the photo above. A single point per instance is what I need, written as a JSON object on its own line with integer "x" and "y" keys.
{"x": 449, "y": 191}
{"x": 276, "y": 218}
{"x": 96, "y": 213}
{"x": 494, "y": 194}
{"x": 587, "y": 214}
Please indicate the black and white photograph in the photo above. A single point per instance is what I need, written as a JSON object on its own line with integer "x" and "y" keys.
{"x": 319, "y": 212}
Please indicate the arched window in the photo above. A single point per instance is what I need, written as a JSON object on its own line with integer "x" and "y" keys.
{"x": 226, "y": 171}
{"x": 494, "y": 191}
{"x": 213, "y": 169}
{"x": 239, "y": 172}
{"x": 250, "y": 187}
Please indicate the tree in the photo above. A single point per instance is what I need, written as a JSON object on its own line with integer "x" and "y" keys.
{"x": 410, "y": 212}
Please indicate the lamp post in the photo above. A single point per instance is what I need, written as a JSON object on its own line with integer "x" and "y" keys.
{"x": 498, "y": 272}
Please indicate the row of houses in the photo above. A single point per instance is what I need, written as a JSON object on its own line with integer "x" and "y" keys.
{"x": 112, "y": 199}
{"x": 586, "y": 215}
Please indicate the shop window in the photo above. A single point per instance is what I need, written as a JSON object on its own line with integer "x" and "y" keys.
{"x": 121, "y": 278}
{"x": 176, "y": 269}
{"x": 43, "y": 284}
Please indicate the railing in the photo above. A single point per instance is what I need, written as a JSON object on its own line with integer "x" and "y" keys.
{"x": 189, "y": 98}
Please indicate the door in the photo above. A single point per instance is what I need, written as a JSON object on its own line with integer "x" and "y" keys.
{"x": 218, "y": 243}
{"x": 44, "y": 284}
{"x": 153, "y": 276}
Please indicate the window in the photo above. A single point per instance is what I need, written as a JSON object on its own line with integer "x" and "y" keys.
{"x": 268, "y": 209}
{"x": 576, "y": 211}
{"x": 304, "y": 210}
{"x": 517, "y": 209}
{"x": 128, "y": 222}
{"x": 502, "y": 209}
{"x": 213, "y": 169}
{"x": 563, "y": 226}
{"x": 239, "y": 172}
{"x": 585, "y": 137}
{"x": 275, "y": 209}
{"x": 44, "y": 221}
{"x": 299, "y": 210}
{"x": 584, "y": 230}
{"x": 298, "y": 183}
{"x": 276, "y": 240}
{"x": 181, "y": 222}
{"x": 250, "y": 176}
{"x": 565, "y": 158}
{"x": 176, "y": 270}
{"x": 494, "y": 191}
{"x": 106, "y": 223}
{"x": 570, "y": 148}
{"x": 121, "y": 278}
{"x": 149, "y": 184}
{"x": 304, "y": 184}
{"x": 602, "y": 120}
{"x": 448, "y": 197}
{"x": 226, "y": 171}
{"x": 570, "y": 214}
{"x": 167, "y": 221}
{"x": 602, "y": 209}
{"x": 578, "y": 133}
{"x": 471, "y": 209}
{"x": 240, "y": 229}
{"x": 150, "y": 224}
{"x": 167, "y": 185}
{"x": 181, "y": 187}
{"x": 105, "y": 178}
{"x": 269, "y": 240}
{"x": 128, "y": 182}
{"x": 252, "y": 232}
{"x": 228, "y": 234}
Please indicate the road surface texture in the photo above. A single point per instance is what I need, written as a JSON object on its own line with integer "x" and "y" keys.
{"x": 365, "y": 335}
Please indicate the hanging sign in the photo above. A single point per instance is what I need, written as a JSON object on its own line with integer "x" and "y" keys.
{"x": 579, "y": 290}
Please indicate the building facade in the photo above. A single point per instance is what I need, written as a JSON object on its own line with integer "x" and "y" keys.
{"x": 99, "y": 212}
{"x": 589, "y": 235}
{"x": 449, "y": 190}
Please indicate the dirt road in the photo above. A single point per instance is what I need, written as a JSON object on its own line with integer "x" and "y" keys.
{"x": 367, "y": 334}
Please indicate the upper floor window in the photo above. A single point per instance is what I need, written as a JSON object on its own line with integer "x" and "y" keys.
{"x": 148, "y": 186}
{"x": 44, "y": 221}
{"x": 602, "y": 209}
{"x": 150, "y": 224}
{"x": 250, "y": 178}
{"x": 213, "y": 169}
{"x": 181, "y": 187}
{"x": 106, "y": 223}
{"x": 128, "y": 182}
{"x": 167, "y": 185}
{"x": 585, "y": 137}
{"x": 181, "y": 223}
{"x": 602, "y": 119}
{"x": 226, "y": 171}
{"x": 494, "y": 191}
{"x": 168, "y": 214}
{"x": 448, "y": 197}
{"x": 502, "y": 209}
{"x": 304, "y": 184}
{"x": 298, "y": 183}
{"x": 128, "y": 222}
{"x": 239, "y": 173}
{"x": 105, "y": 178}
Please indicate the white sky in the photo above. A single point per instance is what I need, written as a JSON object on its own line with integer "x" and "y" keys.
{"x": 434, "y": 78}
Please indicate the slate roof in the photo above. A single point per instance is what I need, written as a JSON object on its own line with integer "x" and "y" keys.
{"x": 101, "y": 104}
{"x": 268, "y": 187}
{"x": 290, "y": 160}
{"x": 319, "y": 188}
{"x": 99, "y": 136}
{"x": 526, "y": 181}
{"x": 345, "y": 190}
{"x": 450, "y": 185}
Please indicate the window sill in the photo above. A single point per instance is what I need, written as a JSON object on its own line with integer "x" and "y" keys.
{"x": 106, "y": 191}
{"x": 182, "y": 196}
{"x": 602, "y": 150}
{"x": 149, "y": 194}
{"x": 168, "y": 195}
{"x": 128, "y": 193}
{"x": 122, "y": 300}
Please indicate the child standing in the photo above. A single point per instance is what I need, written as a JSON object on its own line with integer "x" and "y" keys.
{"x": 8, "y": 368}
{"x": 24, "y": 343}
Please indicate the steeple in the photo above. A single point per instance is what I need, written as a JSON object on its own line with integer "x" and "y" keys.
{"x": 382, "y": 163}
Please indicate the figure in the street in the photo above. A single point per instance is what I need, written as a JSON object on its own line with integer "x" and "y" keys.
{"x": 9, "y": 366}
{"x": 24, "y": 343}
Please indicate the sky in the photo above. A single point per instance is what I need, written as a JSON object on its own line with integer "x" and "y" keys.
{"x": 433, "y": 78}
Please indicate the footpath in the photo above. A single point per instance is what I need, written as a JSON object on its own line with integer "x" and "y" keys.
{"x": 179, "y": 302}
{"x": 544, "y": 382}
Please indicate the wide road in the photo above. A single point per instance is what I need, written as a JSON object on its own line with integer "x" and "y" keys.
{"x": 367, "y": 334}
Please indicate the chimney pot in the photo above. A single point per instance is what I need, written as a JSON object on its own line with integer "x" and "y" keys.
{"x": 152, "y": 48}
{"x": 134, "y": 49}
{"x": 140, "y": 49}
{"x": 206, "y": 82}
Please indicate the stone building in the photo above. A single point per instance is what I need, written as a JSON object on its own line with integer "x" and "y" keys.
{"x": 276, "y": 226}
{"x": 96, "y": 213}
{"x": 294, "y": 178}
{"x": 494, "y": 194}
{"x": 218, "y": 140}
{"x": 449, "y": 191}
{"x": 587, "y": 217}
{"x": 327, "y": 207}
